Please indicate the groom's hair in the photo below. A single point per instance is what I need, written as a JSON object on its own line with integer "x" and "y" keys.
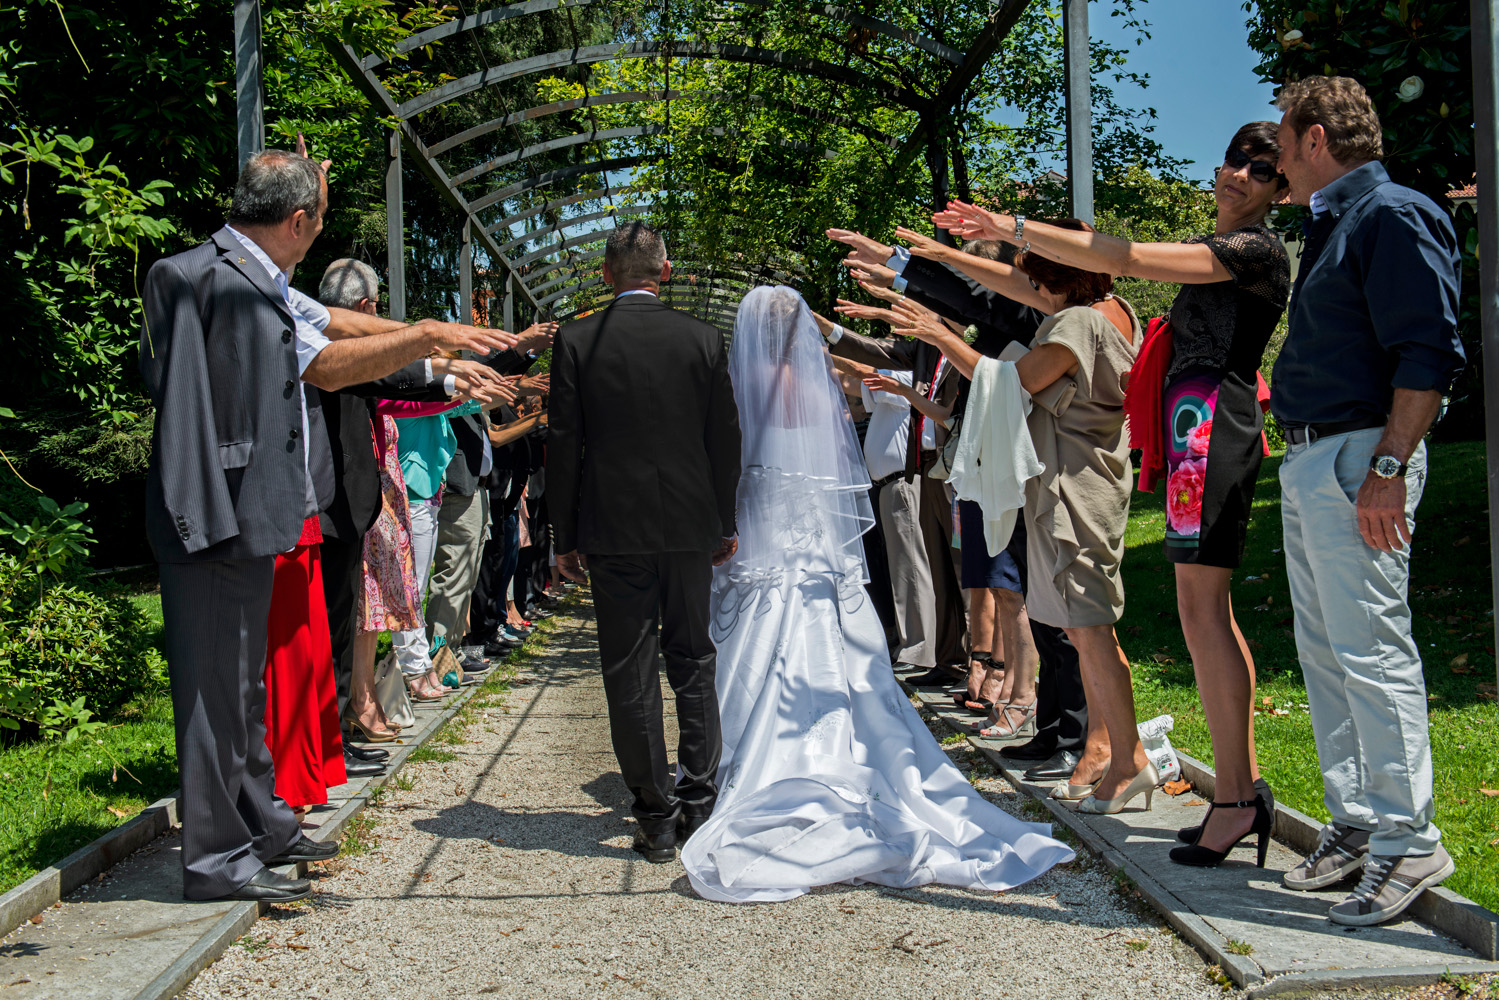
{"x": 635, "y": 252}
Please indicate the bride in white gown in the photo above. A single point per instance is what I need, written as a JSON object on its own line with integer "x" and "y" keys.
{"x": 828, "y": 773}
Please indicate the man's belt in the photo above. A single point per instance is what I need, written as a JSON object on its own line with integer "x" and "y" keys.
{"x": 1299, "y": 434}
{"x": 888, "y": 479}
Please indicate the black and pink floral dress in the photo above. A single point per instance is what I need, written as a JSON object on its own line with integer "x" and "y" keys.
{"x": 1213, "y": 419}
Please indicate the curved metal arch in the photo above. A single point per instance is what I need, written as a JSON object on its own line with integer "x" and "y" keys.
{"x": 642, "y": 96}
{"x": 579, "y": 220}
{"x": 597, "y": 194}
{"x": 471, "y": 22}
{"x": 584, "y": 258}
{"x": 589, "y": 54}
{"x": 553, "y": 145}
{"x": 552, "y": 176}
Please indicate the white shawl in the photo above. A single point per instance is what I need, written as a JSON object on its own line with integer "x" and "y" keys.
{"x": 995, "y": 455}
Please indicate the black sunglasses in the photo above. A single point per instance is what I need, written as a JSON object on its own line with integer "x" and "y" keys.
{"x": 1260, "y": 170}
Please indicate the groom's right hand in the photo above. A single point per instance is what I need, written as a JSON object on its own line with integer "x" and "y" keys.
{"x": 725, "y": 551}
{"x": 574, "y": 566}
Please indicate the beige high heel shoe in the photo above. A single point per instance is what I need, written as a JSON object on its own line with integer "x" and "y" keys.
{"x": 1145, "y": 782}
{"x": 1066, "y": 791}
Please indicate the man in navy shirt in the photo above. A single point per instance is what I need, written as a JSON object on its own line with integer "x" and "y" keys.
{"x": 1372, "y": 348}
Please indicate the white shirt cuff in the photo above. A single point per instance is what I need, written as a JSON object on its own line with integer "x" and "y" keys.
{"x": 899, "y": 258}
{"x": 449, "y": 382}
{"x": 836, "y": 334}
{"x": 427, "y": 367}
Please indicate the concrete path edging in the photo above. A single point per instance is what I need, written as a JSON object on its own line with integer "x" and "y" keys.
{"x": 1456, "y": 916}
{"x": 1449, "y": 912}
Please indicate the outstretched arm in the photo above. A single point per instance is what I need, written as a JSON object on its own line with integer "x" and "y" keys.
{"x": 1184, "y": 263}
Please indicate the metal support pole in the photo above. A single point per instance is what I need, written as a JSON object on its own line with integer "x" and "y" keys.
{"x": 1078, "y": 64}
{"x": 249, "y": 82}
{"x": 395, "y": 231}
{"x": 1485, "y": 30}
{"x": 466, "y": 272}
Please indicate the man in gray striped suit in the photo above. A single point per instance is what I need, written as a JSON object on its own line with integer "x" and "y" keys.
{"x": 225, "y": 349}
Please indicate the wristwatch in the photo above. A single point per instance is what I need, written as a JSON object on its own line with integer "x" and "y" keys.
{"x": 1019, "y": 228}
{"x": 1387, "y": 467}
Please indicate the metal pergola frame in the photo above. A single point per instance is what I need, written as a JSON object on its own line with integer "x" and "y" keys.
{"x": 520, "y": 280}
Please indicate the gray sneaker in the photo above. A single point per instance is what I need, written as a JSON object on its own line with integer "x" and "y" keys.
{"x": 1389, "y": 885}
{"x": 1340, "y": 852}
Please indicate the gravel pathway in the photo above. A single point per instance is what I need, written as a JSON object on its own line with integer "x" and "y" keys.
{"x": 506, "y": 871}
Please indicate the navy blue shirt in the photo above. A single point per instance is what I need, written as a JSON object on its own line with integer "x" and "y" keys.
{"x": 1375, "y": 304}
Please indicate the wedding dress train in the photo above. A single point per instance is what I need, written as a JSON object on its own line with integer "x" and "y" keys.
{"x": 828, "y": 773}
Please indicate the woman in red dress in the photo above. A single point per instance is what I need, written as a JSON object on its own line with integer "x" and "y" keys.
{"x": 301, "y": 705}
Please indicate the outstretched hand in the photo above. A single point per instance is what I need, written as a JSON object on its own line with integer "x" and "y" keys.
{"x": 534, "y": 385}
{"x": 458, "y": 337}
{"x": 974, "y": 223}
{"x": 537, "y": 337}
{"x": 883, "y": 383}
{"x": 913, "y": 320}
{"x": 302, "y": 152}
{"x": 881, "y": 291}
{"x": 923, "y": 245}
{"x": 473, "y": 380}
{"x": 870, "y": 274}
{"x": 867, "y": 253}
{"x": 857, "y": 310}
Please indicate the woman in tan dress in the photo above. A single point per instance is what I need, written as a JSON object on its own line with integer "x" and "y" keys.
{"x": 1076, "y": 511}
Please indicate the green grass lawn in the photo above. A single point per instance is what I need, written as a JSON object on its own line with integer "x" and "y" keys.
{"x": 96, "y": 783}
{"x": 1454, "y": 626}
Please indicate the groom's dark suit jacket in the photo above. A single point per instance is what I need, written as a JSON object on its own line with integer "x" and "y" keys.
{"x": 643, "y": 449}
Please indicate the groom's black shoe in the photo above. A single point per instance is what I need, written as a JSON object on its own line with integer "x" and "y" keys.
{"x": 657, "y": 848}
{"x": 687, "y": 826}
{"x": 1031, "y": 750}
{"x": 1054, "y": 768}
{"x": 305, "y": 849}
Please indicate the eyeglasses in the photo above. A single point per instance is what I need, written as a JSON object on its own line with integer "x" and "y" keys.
{"x": 1261, "y": 170}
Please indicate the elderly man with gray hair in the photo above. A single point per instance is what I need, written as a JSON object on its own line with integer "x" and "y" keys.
{"x": 235, "y": 472}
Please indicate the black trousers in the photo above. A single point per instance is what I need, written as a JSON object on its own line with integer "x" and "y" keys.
{"x": 649, "y": 605}
{"x": 343, "y": 573}
{"x": 215, "y": 616}
{"x": 1061, "y": 703}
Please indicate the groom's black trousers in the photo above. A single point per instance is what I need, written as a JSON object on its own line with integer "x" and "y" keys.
{"x": 634, "y": 597}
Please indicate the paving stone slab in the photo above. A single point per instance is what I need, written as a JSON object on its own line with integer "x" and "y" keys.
{"x": 1255, "y": 927}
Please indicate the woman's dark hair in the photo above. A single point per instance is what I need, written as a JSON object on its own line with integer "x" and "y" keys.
{"x": 1073, "y": 284}
{"x": 1258, "y": 139}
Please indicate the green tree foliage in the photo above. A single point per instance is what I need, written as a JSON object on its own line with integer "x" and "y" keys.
{"x": 1415, "y": 60}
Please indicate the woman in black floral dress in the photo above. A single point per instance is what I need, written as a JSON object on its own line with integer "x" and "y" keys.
{"x": 1235, "y": 282}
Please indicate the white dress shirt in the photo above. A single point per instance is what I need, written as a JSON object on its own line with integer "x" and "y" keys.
{"x": 309, "y": 319}
{"x": 889, "y": 430}
{"x": 897, "y": 263}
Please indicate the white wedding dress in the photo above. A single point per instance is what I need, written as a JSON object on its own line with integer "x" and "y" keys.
{"x": 828, "y": 773}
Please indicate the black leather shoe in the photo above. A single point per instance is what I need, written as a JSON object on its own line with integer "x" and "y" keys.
{"x": 268, "y": 887}
{"x": 1054, "y": 768}
{"x": 688, "y": 825}
{"x": 373, "y": 755}
{"x": 356, "y": 768}
{"x": 1033, "y": 750}
{"x": 935, "y": 677}
{"x": 657, "y": 848}
{"x": 305, "y": 849}
{"x": 499, "y": 647}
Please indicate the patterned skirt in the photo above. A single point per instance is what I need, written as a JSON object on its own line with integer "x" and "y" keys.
{"x": 1213, "y": 456}
{"x": 392, "y": 596}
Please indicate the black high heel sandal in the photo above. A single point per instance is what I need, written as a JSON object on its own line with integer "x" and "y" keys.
{"x": 1189, "y": 834}
{"x": 1205, "y": 857}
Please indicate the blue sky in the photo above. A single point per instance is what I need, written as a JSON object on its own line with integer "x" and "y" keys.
{"x": 1202, "y": 79}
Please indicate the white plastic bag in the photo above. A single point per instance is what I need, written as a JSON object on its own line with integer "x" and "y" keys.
{"x": 1158, "y": 746}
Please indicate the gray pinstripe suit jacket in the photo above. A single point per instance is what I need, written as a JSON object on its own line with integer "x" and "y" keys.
{"x": 217, "y": 352}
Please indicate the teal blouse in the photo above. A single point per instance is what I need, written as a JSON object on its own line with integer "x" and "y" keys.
{"x": 425, "y": 446}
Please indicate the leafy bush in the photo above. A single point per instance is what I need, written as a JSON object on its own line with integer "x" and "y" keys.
{"x": 79, "y": 642}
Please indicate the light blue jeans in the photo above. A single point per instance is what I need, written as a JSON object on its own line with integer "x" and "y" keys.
{"x": 411, "y": 647}
{"x": 1353, "y": 637}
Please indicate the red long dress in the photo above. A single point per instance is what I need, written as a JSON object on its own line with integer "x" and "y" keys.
{"x": 301, "y": 701}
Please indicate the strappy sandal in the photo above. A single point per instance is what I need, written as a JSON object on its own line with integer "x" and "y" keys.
{"x": 965, "y": 700}
{"x": 1002, "y": 730}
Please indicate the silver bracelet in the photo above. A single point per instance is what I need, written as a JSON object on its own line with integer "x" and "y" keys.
{"x": 1020, "y": 229}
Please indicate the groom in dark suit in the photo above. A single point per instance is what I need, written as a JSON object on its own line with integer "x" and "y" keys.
{"x": 642, "y": 476}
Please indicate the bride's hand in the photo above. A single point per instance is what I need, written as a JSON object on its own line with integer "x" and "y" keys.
{"x": 913, "y": 320}
{"x": 857, "y": 311}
